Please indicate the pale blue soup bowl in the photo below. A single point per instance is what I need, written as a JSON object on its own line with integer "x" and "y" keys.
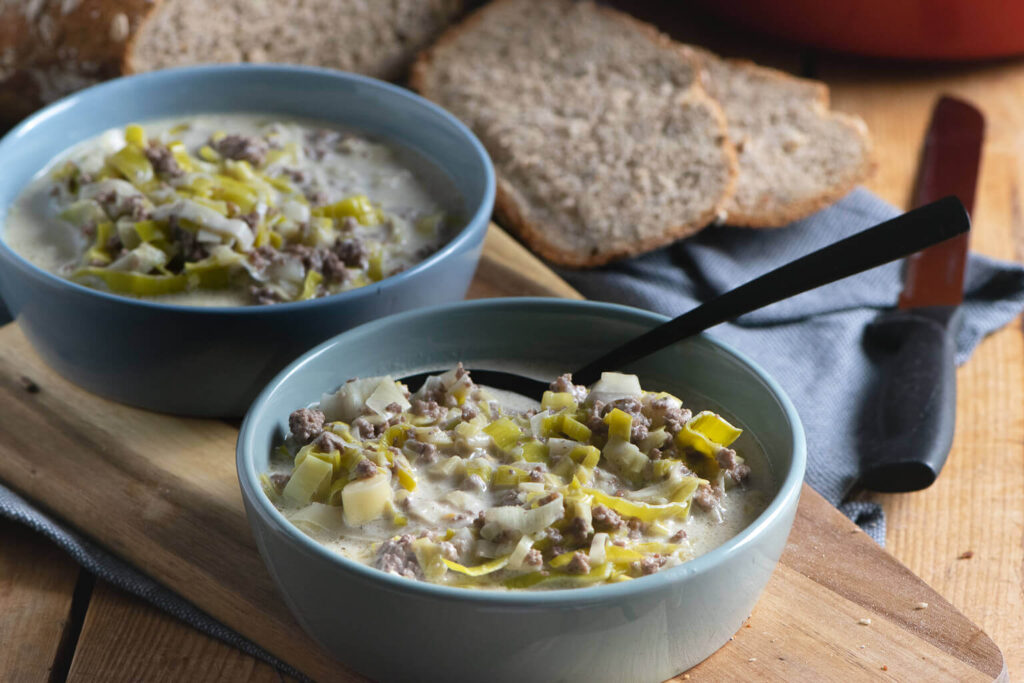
{"x": 391, "y": 628}
{"x": 213, "y": 361}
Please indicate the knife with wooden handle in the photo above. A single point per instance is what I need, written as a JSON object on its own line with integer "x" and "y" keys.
{"x": 907, "y": 426}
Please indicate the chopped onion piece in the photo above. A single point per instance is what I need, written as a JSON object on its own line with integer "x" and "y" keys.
{"x": 141, "y": 259}
{"x": 525, "y": 521}
{"x": 625, "y": 455}
{"x": 597, "y": 546}
{"x": 614, "y": 385}
{"x": 288, "y": 268}
{"x": 462, "y": 500}
{"x": 296, "y": 211}
{"x": 558, "y": 447}
{"x": 330, "y": 518}
{"x": 666, "y": 491}
{"x": 346, "y": 404}
{"x": 515, "y": 560}
{"x": 432, "y": 384}
{"x": 231, "y": 228}
{"x": 537, "y": 423}
{"x": 386, "y": 393}
{"x": 207, "y": 236}
{"x": 121, "y": 188}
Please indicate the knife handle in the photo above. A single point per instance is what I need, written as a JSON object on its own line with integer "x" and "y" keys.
{"x": 910, "y": 420}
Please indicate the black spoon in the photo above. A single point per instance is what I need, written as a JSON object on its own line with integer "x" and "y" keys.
{"x": 885, "y": 242}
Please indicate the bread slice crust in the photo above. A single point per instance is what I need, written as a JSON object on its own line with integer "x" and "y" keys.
{"x": 49, "y": 48}
{"x": 515, "y": 209}
{"x": 778, "y": 206}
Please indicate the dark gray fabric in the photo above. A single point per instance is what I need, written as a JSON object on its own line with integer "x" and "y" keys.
{"x": 811, "y": 343}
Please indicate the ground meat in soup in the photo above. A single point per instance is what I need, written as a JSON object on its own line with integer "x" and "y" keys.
{"x": 455, "y": 485}
{"x": 230, "y": 210}
{"x": 305, "y": 424}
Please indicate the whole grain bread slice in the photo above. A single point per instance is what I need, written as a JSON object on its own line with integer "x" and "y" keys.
{"x": 795, "y": 155}
{"x": 604, "y": 141}
{"x": 49, "y": 48}
{"x": 378, "y": 38}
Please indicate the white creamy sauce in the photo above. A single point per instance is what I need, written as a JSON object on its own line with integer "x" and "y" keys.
{"x": 404, "y": 185}
{"x": 704, "y": 532}
{"x": 441, "y": 501}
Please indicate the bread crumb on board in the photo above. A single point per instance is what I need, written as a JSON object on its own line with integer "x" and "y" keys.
{"x": 864, "y": 622}
{"x": 120, "y": 28}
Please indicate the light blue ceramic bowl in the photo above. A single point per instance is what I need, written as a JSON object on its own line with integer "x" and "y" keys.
{"x": 390, "y": 628}
{"x": 213, "y": 361}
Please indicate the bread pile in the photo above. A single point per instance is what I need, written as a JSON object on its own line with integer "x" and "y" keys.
{"x": 610, "y": 139}
{"x": 49, "y": 48}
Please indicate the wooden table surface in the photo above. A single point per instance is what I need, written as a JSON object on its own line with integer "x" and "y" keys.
{"x": 57, "y": 622}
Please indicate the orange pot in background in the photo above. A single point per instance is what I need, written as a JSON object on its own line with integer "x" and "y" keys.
{"x": 914, "y": 29}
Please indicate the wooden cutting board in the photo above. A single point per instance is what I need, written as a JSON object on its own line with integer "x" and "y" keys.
{"x": 161, "y": 492}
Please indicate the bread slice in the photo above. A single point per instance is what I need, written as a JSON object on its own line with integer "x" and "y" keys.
{"x": 604, "y": 141}
{"x": 49, "y": 48}
{"x": 795, "y": 155}
{"x": 377, "y": 38}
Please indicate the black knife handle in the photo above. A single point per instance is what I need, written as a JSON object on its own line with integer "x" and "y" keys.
{"x": 910, "y": 419}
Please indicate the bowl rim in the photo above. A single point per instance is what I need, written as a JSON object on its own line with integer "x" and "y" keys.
{"x": 788, "y": 490}
{"x": 124, "y": 85}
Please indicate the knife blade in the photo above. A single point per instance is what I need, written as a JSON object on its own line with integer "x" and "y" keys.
{"x": 907, "y": 427}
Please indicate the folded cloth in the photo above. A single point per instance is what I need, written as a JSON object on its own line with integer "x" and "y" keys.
{"x": 810, "y": 343}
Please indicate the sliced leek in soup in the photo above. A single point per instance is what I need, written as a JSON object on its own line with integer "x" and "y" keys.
{"x": 463, "y": 485}
{"x": 232, "y": 210}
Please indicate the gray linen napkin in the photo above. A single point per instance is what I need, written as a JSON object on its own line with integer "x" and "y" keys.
{"x": 811, "y": 343}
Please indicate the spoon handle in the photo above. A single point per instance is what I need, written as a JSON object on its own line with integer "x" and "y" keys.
{"x": 888, "y": 241}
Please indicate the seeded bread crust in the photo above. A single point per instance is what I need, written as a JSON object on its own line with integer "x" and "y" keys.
{"x": 569, "y": 231}
{"x": 795, "y": 155}
{"x": 49, "y": 48}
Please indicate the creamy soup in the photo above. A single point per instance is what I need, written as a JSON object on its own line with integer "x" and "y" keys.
{"x": 462, "y": 485}
{"x": 232, "y": 210}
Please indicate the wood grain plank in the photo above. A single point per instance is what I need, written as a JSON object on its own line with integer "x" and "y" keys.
{"x": 507, "y": 268}
{"x": 846, "y": 649}
{"x": 163, "y": 495}
{"x": 126, "y": 639}
{"x": 37, "y": 583}
{"x": 810, "y": 583}
{"x": 181, "y": 516}
{"x": 978, "y": 503}
{"x": 130, "y": 637}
